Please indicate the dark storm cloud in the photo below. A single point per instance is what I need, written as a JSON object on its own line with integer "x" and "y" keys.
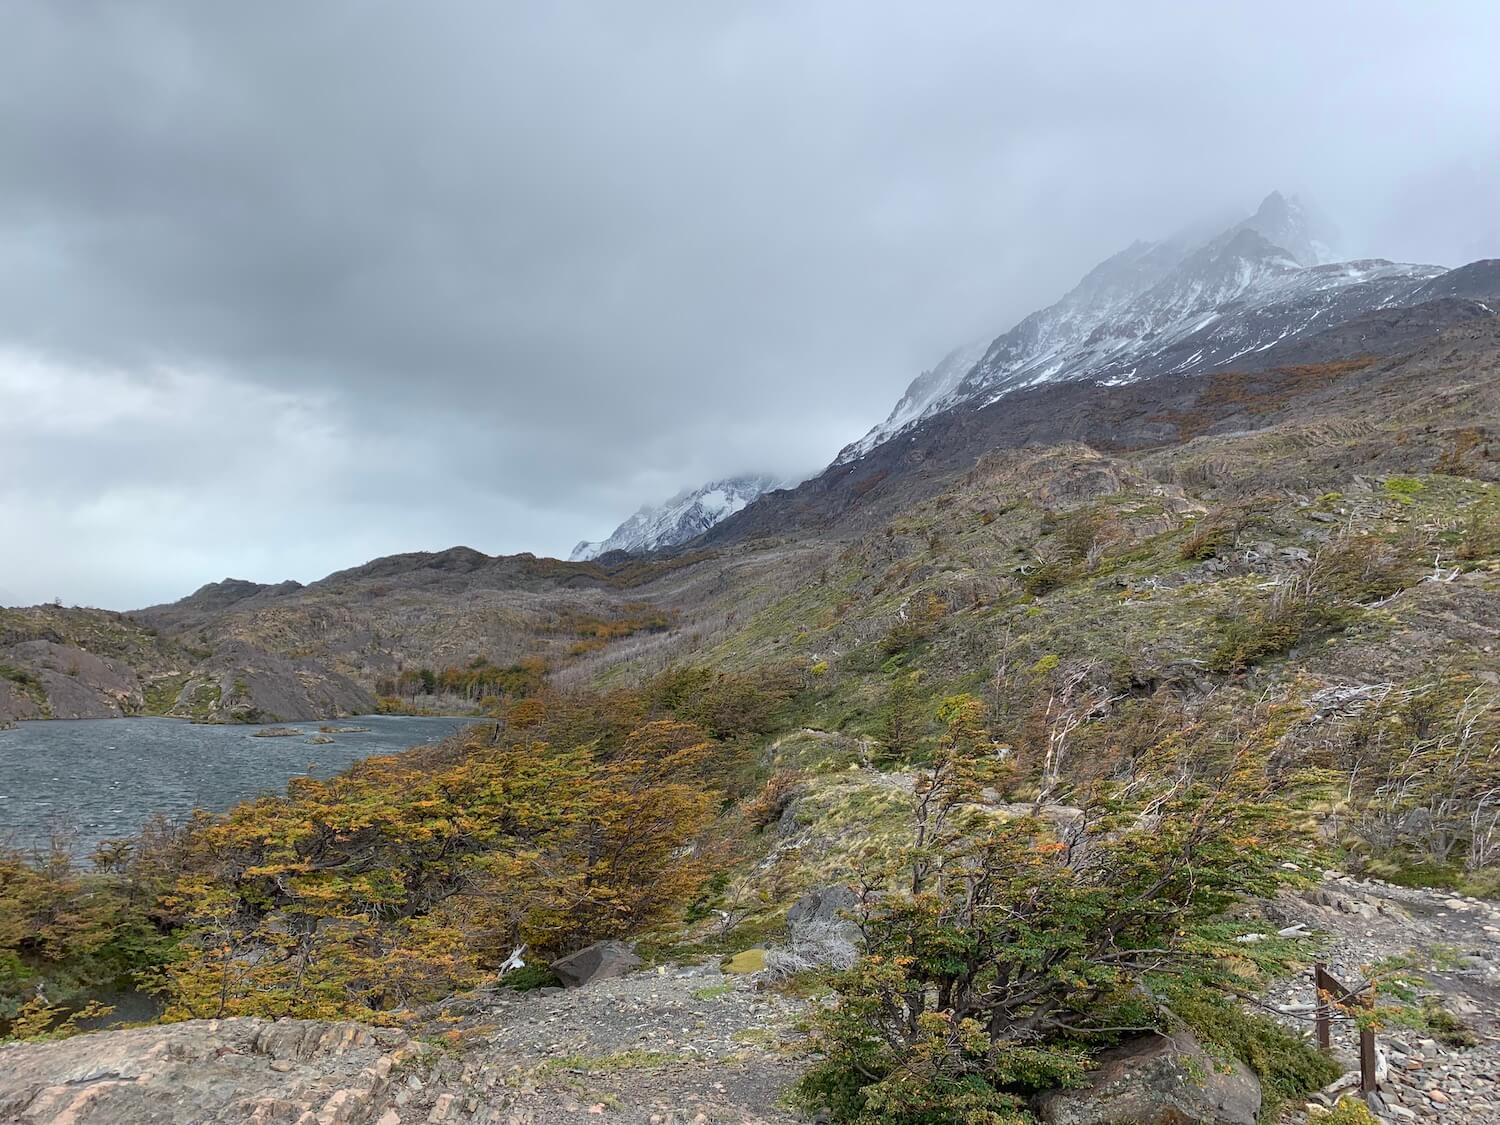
{"x": 382, "y": 278}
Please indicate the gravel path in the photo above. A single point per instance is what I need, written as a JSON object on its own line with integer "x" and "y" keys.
{"x": 1453, "y": 945}
{"x": 675, "y": 1046}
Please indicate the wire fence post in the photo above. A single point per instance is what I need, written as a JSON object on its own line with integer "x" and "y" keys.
{"x": 1368, "y": 1065}
{"x": 1329, "y": 995}
{"x": 1322, "y": 988}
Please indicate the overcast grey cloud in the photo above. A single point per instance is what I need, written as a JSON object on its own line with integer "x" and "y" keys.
{"x": 286, "y": 286}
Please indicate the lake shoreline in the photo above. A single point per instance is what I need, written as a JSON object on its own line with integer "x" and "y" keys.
{"x": 99, "y": 779}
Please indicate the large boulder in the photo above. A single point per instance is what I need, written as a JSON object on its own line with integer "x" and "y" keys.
{"x": 1158, "y": 1080}
{"x": 820, "y": 932}
{"x": 824, "y": 915}
{"x": 600, "y": 961}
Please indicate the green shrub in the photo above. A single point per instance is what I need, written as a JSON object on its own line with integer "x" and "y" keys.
{"x": 1007, "y": 967}
{"x": 530, "y": 978}
{"x": 1444, "y": 1026}
{"x": 1271, "y": 630}
{"x": 1363, "y": 568}
{"x": 1403, "y": 489}
{"x": 1481, "y": 534}
{"x": 1349, "y": 1111}
{"x": 1075, "y": 533}
{"x": 19, "y": 676}
{"x": 919, "y": 623}
{"x": 1204, "y": 541}
{"x": 1220, "y": 528}
{"x": 1289, "y": 1066}
{"x": 1049, "y": 576}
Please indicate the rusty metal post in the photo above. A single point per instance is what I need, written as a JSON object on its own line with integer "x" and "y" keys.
{"x": 1367, "y": 1063}
{"x": 1330, "y": 993}
{"x": 1320, "y": 990}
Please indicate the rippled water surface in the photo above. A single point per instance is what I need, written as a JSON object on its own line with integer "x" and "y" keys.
{"x": 104, "y": 777}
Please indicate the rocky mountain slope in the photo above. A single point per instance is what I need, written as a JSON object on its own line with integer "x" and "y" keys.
{"x": 1386, "y": 390}
{"x": 1362, "y": 373}
{"x": 676, "y": 521}
{"x": 237, "y": 651}
{"x": 1162, "y": 344}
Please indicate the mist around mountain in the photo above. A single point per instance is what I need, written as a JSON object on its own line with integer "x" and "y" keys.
{"x": 1197, "y": 301}
{"x": 1119, "y": 362}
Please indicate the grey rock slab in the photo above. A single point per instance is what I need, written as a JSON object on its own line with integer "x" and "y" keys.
{"x": 600, "y": 961}
{"x": 204, "y": 1071}
{"x": 1158, "y": 1080}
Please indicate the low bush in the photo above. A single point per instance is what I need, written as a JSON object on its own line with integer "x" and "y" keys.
{"x": 1273, "y": 629}
{"x": 1289, "y": 1066}
{"x": 405, "y": 878}
{"x": 1018, "y": 954}
{"x": 1046, "y": 577}
{"x": 19, "y": 676}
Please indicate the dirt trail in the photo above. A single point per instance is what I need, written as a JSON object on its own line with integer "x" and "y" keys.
{"x": 1452, "y": 944}
{"x": 673, "y": 1046}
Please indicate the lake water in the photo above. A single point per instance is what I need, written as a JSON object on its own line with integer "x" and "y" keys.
{"x": 105, "y": 777}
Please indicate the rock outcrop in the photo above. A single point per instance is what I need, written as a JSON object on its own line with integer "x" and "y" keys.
{"x": 17, "y": 703}
{"x": 820, "y": 933}
{"x": 76, "y": 663}
{"x": 206, "y": 1071}
{"x": 1158, "y": 1080}
{"x": 244, "y": 684}
{"x": 59, "y": 681}
{"x": 600, "y": 961}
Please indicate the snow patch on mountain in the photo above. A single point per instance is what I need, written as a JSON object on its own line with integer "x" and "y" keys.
{"x": 1187, "y": 303}
{"x": 685, "y": 516}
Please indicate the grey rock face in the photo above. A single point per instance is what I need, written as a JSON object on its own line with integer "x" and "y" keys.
{"x": 600, "y": 961}
{"x": 822, "y": 909}
{"x": 258, "y": 686}
{"x": 205, "y": 1071}
{"x": 45, "y": 677}
{"x": 820, "y": 933}
{"x": 75, "y": 683}
{"x": 1285, "y": 221}
{"x": 1158, "y": 1080}
{"x": 16, "y": 703}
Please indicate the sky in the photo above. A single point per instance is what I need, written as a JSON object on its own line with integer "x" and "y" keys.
{"x": 288, "y": 286}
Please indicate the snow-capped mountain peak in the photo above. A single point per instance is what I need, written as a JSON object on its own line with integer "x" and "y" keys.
{"x": 685, "y": 516}
{"x": 1186, "y": 303}
{"x": 1296, "y": 227}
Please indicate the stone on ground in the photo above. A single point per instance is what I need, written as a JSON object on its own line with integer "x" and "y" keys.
{"x": 600, "y": 961}
{"x": 1158, "y": 1080}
